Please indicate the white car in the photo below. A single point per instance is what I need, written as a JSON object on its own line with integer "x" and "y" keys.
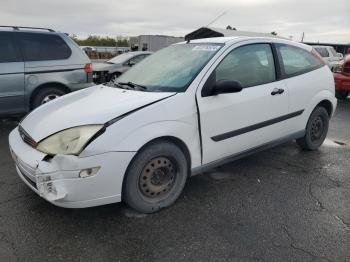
{"x": 330, "y": 56}
{"x": 183, "y": 110}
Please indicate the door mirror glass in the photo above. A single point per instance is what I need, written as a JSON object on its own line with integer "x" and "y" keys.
{"x": 226, "y": 86}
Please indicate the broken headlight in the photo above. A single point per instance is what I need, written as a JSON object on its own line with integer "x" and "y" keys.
{"x": 70, "y": 141}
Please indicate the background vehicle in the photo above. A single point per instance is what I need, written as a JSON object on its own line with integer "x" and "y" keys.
{"x": 328, "y": 53}
{"x": 113, "y": 68}
{"x": 342, "y": 78}
{"x": 183, "y": 110}
{"x": 36, "y": 66}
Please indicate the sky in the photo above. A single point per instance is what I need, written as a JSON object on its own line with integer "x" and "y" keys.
{"x": 321, "y": 20}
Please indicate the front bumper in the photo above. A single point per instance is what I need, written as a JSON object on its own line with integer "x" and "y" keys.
{"x": 342, "y": 82}
{"x": 57, "y": 179}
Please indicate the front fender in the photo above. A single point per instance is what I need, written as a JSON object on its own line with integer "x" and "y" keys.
{"x": 121, "y": 139}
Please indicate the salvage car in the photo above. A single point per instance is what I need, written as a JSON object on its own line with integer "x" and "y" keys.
{"x": 330, "y": 56}
{"x": 38, "y": 65}
{"x": 342, "y": 78}
{"x": 181, "y": 111}
{"x": 113, "y": 68}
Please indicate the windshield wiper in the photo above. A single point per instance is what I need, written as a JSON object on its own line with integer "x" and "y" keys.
{"x": 132, "y": 85}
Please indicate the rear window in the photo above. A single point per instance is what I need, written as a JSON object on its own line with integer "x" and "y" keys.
{"x": 295, "y": 60}
{"x": 41, "y": 47}
{"x": 8, "y": 51}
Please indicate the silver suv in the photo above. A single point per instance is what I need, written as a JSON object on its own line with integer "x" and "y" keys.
{"x": 38, "y": 65}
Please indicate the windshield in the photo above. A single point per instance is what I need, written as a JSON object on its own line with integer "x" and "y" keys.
{"x": 171, "y": 69}
{"x": 119, "y": 59}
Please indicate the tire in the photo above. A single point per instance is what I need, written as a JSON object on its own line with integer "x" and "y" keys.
{"x": 316, "y": 129}
{"x": 155, "y": 178}
{"x": 46, "y": 95}
{"x": 341, "y": 94}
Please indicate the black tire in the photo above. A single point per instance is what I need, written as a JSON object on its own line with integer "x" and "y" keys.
{"x": 47, "y": 92}
{"x": 161, "y": 169}
{"x": 341, "y": 94}
{"x": 316, "y": 129}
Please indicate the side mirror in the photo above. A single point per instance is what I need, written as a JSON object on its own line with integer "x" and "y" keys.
{"x": 340, "y": 55}
{"x": 226, "y": 86}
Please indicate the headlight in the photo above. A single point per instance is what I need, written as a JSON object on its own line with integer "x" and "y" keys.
{"x": 70, "y": 141}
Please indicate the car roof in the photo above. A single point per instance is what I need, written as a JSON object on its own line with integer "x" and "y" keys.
{"x": 140, "y": 52}
{"x": 235, "y": 39}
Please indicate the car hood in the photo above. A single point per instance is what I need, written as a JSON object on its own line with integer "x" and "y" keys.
{"x": 104, "y": 66}
{"x": 94, "y": 105}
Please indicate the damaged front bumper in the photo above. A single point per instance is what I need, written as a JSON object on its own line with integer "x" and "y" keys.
{"x": 67, "y": 180}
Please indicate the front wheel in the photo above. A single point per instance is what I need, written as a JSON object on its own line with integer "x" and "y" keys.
{"x": 46, "y": 95}
{"x": 155, "y": 178}
{"x": 316, "y": 129}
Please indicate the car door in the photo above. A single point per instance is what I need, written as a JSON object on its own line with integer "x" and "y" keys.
{"x": 235, "y": 122}
{"x": 11, "y": 76}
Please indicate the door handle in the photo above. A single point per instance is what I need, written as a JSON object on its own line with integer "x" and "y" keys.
{"x": 277, "y": 91}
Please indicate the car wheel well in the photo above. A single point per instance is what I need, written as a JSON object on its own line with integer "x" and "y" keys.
{"x": 176, "y": 141}
{"x": 46, "y": 85}
{"x": 327, "y": 105}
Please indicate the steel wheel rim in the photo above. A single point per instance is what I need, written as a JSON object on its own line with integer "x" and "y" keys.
{"x": 157, "y": 178}
{"x": 317, "y": 129}
{"x": 49, "y": 98}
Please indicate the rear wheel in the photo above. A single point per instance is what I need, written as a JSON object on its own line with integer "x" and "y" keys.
{"x": 46, "y": 95}
{"x": 316, "y": 129}
{"x": 155, "y": 178}
{"x": 341, "y": 94}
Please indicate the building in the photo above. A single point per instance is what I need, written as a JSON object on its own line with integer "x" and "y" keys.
{"x": 152, "y": 42}
{"x": 208, "y": 32}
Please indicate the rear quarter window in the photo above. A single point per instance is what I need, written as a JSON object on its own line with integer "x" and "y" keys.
{"x": 295, "y": 60}
{"x": 41, "y": 47}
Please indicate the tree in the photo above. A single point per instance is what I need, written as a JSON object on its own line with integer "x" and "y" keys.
{"x": 230, "y": 28}
{"x": 93, "y": 40}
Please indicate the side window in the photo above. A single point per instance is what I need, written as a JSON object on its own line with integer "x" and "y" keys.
{"x": 40, "y": 47}
{"x": 322, "y": 51}
{"x": 8, "y": 50}
{"x": 250, "y": 65}
{"x": 137, "y": 59}
{"x": 296, "y": 61}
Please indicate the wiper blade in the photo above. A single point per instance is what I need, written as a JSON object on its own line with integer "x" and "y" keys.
{"x": 133, "y": 85}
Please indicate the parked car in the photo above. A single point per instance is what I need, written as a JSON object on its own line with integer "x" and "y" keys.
{"x": 38, "y": 65}
{"x": 328, "y": 53}
{"x": 342, "y": 78}
{"x": 113, "y": 68}
{"x": 183, "y": 110}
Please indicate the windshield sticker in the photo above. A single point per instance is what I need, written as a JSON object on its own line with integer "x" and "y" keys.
{"x": 210, "y": 48}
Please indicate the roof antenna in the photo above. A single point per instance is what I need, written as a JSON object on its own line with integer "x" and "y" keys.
{"x": 217, "y": 18}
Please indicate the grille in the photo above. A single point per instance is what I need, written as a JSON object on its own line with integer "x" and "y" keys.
{"x": 27, "y": 138}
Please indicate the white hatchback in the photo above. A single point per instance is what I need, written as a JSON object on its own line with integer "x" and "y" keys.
{"x": 182, "y": 110}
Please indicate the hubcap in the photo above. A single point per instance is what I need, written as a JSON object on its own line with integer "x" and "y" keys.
{"x": 49, "y": 98}
{"x": 157, "y": 177}
{"x": 317, "y": 129}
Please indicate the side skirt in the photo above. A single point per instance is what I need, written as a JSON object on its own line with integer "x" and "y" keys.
{"x": 228, "y": 159}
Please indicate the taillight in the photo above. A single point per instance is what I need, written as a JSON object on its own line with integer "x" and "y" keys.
{"x": 317, "y": 56}
{"x": 88, "y": 68}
